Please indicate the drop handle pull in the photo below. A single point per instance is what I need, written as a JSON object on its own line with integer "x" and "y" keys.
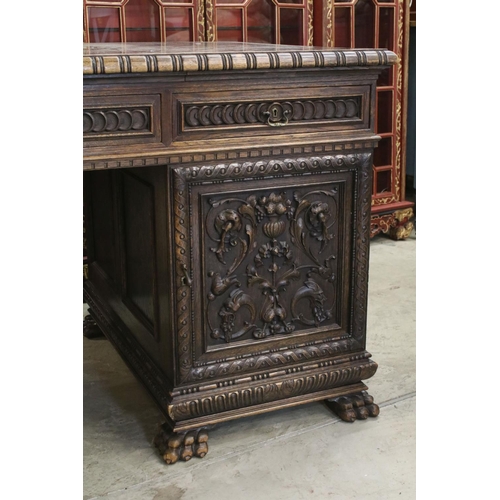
{"x": 279, "y": 123}
{"x": 186, "y": 279}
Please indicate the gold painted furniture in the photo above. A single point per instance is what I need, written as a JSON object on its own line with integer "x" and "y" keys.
{"x": 227, "y": 199}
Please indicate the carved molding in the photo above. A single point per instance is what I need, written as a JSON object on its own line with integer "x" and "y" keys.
{"x": 328, "y": 7}
{"x": 362, "y": 224}
{"x": 210, "y": 21}
{"x": 268, "y": 391}
{"x": 272, "y": 359}
{"x": 200, "y": 22}
{"x": 183, "y": 276}
{"x": 119, "y": 120}
{"x": 96, "y": 64}
{"x": 202, "y": 157}
{"x": 235, "y": 171}
{"x": 310, "y": 23}
{"x": 400, "y": 97}
{"x": 203, "y": 115}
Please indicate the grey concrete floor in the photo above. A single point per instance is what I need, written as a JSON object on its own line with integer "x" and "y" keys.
{"x": 298, "y": 453}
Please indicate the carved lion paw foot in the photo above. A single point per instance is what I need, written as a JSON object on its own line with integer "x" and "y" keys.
{"x": 354, "y": 406}
{"x": 175, "y": 446}
{"x": 90, "y": 328}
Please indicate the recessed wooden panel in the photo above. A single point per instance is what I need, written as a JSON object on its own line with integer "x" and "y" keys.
{"x": 139, "y": 255}
{"x": 102, "y": 234}
{"x": 271, "y": 260}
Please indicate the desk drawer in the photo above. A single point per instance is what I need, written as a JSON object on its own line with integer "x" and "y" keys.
{"x": 217, "y": 115}
{"x": 123, "y": 119}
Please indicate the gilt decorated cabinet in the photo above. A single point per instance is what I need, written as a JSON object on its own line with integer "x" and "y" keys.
{"x": 381, "y": 24}
{"x": 228, "y": 200}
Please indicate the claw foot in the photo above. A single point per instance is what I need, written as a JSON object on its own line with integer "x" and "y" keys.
{"x": 354, "y": 406}
{"x": 90, "y": 328}
{"x": 175, "y": 446}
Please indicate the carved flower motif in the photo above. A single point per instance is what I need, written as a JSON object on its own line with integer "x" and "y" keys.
{"x": 273, "y": 205}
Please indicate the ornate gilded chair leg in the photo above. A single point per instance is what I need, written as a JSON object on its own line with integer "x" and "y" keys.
{"x": 175, "y": 446}
{"x": 90, "y": 328}
{"x": 354, "y": 406}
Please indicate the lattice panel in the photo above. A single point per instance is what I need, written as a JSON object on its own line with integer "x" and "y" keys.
{"x": 143, "y": 21}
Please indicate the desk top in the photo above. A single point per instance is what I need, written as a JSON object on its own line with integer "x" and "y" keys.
{"x": 113, "y": 58}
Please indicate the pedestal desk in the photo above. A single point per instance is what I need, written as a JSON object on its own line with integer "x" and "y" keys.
{"x": 227, "y": 208}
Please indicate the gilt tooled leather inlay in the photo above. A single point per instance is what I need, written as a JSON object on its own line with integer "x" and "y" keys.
{"x": 255, "y": 112}
{"x": 119, "y": 120}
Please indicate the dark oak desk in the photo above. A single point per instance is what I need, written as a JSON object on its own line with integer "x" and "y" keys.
{"x": 227, "y": 203}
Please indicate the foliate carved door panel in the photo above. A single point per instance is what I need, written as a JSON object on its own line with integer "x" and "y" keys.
{"x": 276, "y": 256}
{"x": 271, "y": 260}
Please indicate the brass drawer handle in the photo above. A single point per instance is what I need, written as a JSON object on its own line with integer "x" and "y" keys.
{"x": 279, "y": 123}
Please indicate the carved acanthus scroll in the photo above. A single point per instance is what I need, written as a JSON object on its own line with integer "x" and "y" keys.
{"x": 282, "y": 238}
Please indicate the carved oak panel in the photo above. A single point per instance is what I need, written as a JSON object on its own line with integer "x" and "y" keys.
{"x": 271, "y": 260}
{"x": 275, "y": 242}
